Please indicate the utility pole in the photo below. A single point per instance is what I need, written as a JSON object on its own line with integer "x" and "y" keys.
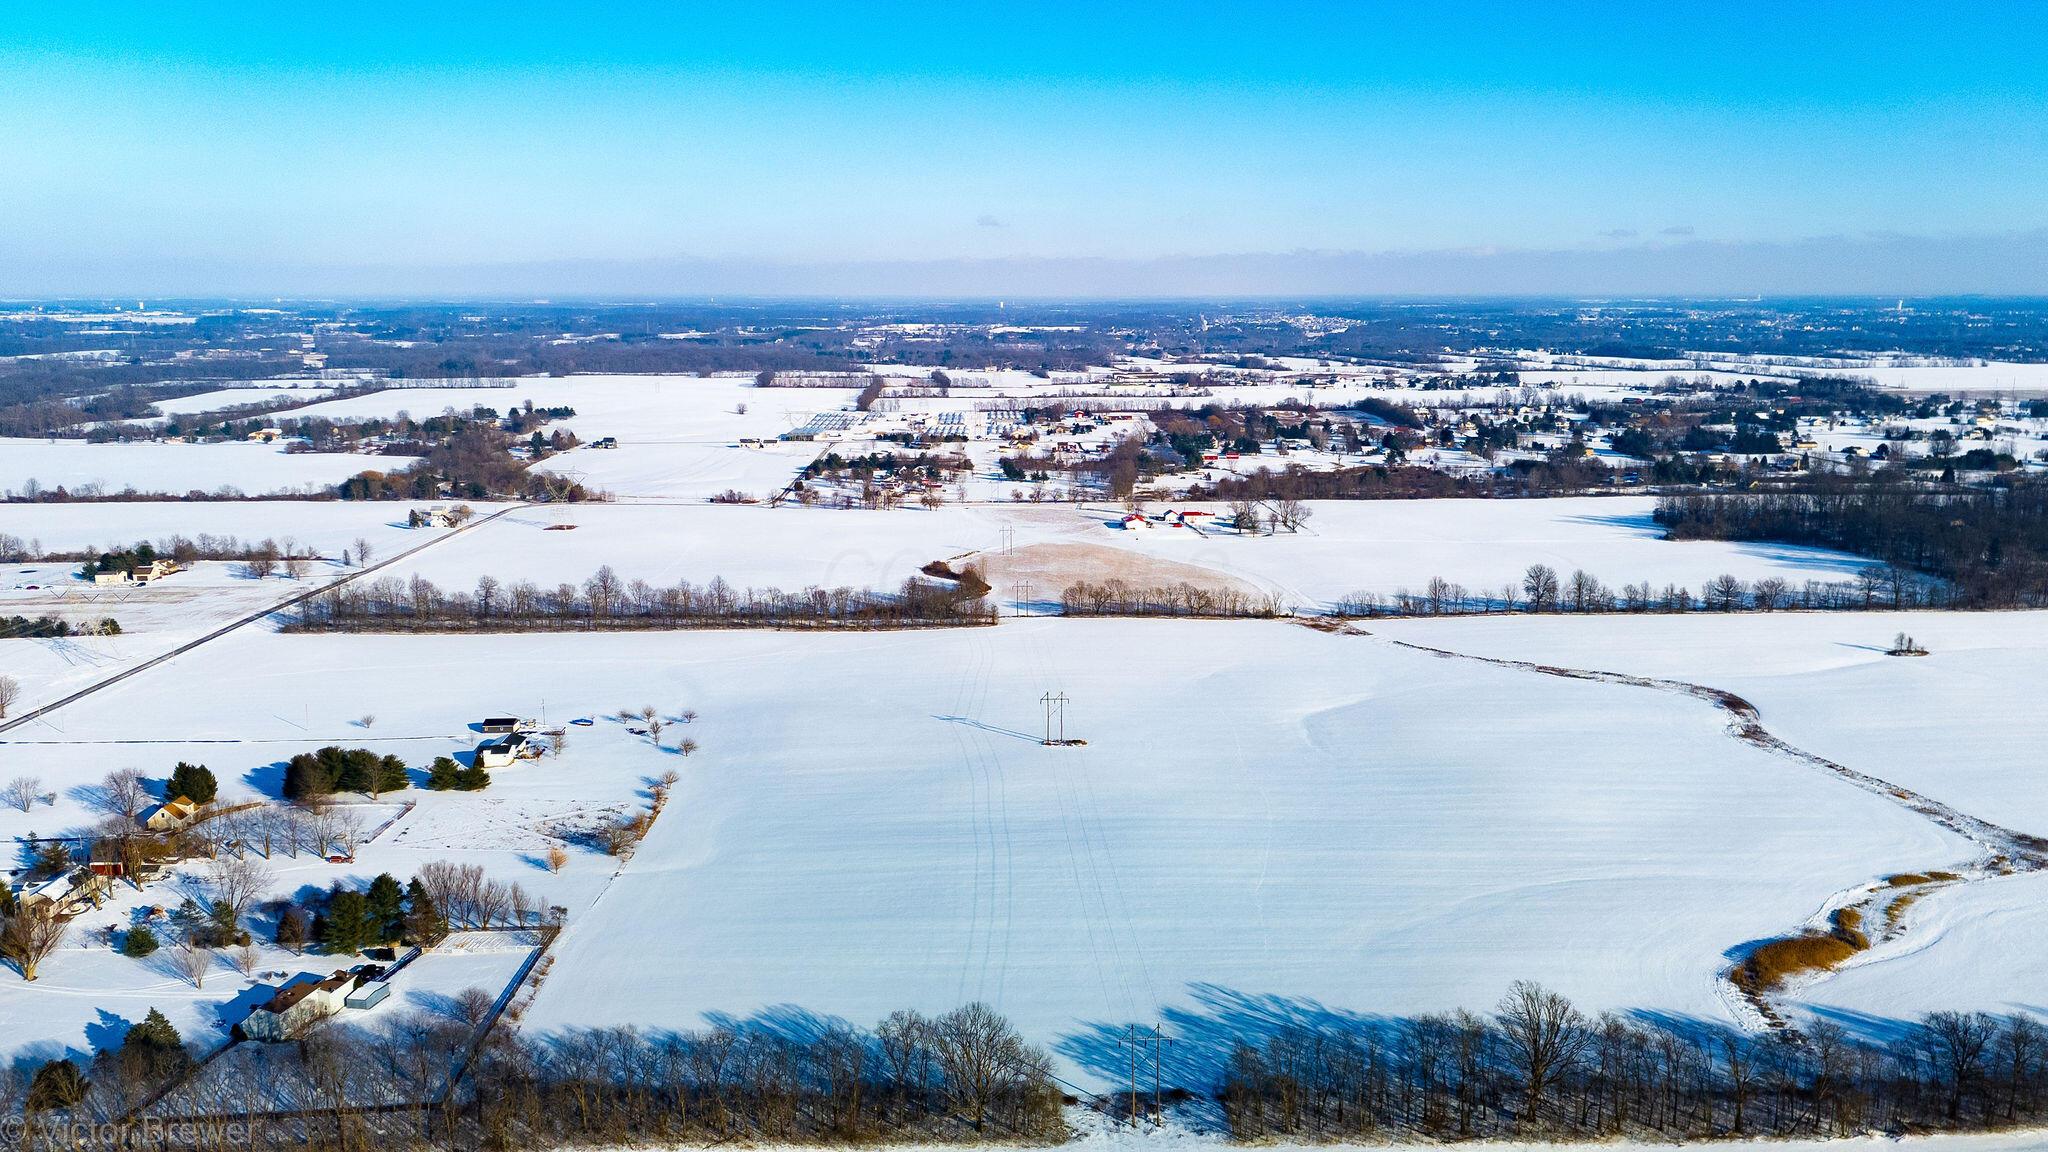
{"x": 1051, "y": 703}
{"x": 1134, "y": 1038}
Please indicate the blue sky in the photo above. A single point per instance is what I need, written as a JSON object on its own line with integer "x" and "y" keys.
{"x": 373, "y": 147}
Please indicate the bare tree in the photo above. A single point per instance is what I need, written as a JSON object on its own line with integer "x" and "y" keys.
{"x": 980, "y": 1051}
{"x": 29, "y": 937}
{"x": 191, "y": 962}
{"x": 21, "y": 792}
{"x": 345, "y": 826}
{"x": 1544, "y": 1036}
{"x": 1958, "y": 1043}
{"x": 10, "y": 691}
{"x": 235, "y": 882}
{"x": 557, "y": 858}
{"x": 123, "y": 793}
{"x": 362, "y": 552}
{"x": 1540, "y": 587}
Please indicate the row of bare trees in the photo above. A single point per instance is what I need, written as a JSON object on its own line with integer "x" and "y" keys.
{"x": 466, "y": 897}
{"x": 606, "y": 602}
{"x": 965, "y": 1075}
{"x": 1115, "y": 597}
{"x": 1542, "y": 589}
{"x": 1539, "y": 1064}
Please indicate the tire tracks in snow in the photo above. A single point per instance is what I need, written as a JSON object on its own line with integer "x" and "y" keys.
{"x": 2003, "y": 851}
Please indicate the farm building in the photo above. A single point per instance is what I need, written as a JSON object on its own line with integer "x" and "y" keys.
{"x": 502, "y": 752}
{"x": 111, "y": 860}
{"x": 295, "y": 1007}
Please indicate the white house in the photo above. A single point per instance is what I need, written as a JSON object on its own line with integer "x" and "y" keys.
{"x": 295, "y": 1007}
{"x": 502, "y": 752}
{"x": 172, "y": 816}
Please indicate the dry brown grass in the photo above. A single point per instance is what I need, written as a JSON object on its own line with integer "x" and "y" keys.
{"x": 1896, "y": 910}
{"x": 1906, "y": 879}
{"x": 1778, "y": 960}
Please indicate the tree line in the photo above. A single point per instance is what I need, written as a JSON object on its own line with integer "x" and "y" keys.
{"x": 1541, "y": 588}
{"x": 1114, "y": 597}
{"x": 1537, "y": 1064}
{"x": 1989, "y": 544}
{"x": 604, "y": 602}
{"x": 961, "y": 1076}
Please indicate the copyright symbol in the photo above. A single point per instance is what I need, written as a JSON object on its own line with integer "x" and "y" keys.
{"x": 11, "y": 1130}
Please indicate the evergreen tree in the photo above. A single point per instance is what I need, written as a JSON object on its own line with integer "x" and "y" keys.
{"x": 193, "y": 781}
{"x": 154, "y": 1032}
{"x": 57, "y": 1084}
{"x": 306, "y": 776}
{"x": 386, "y": 902}
{"x": 139, "y": 942}
{"x": 344, "y": 926}
{"x": 424, "y": 923}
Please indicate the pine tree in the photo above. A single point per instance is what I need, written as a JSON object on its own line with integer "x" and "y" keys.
{"x": 344, "y": 927}
{"x": 155, "y": 1032}
{"x": 193, "y": 781}
{"x": 386, "y": 902}
{"x": 424, "y": 923}
{"x": 139, "y": 942}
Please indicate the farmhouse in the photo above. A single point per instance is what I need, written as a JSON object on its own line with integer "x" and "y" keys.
{"x": 295, "y": 1007}
{"x": 173, "y": 816}
{"x": 502, "y": 752}
{"x": 65, "y": 894}
{"x": 141, "y": 574}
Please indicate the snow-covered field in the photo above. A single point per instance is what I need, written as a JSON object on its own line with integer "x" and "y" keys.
{"x": 252, "y": 469}
{"x": 283, "y": 392}
{"x": 326, "y": 526}
{"x": 1958, "y": 725}
{"x": 1261, "y": 811}
{"x": 1345, "y": 547}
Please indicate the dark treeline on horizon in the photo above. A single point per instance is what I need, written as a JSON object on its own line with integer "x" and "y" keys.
{"x": 1988, "y": 544}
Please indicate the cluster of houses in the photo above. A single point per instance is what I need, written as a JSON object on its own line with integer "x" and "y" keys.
{"x": 83, "y": 888}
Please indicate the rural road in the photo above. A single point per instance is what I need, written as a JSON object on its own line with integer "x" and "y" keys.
{"x": 290, "y": 601}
